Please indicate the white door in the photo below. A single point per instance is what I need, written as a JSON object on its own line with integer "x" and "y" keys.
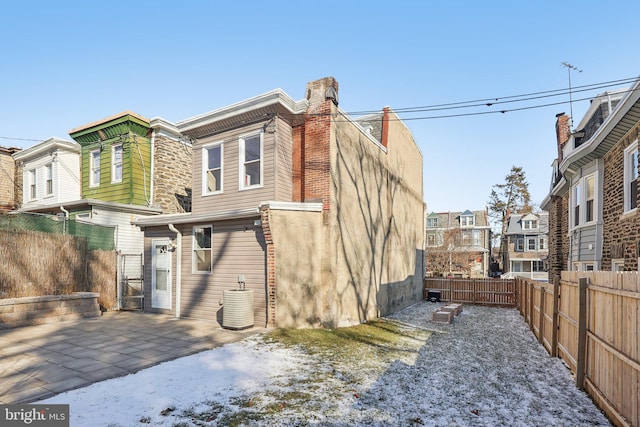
{"x": 161, "y": 274}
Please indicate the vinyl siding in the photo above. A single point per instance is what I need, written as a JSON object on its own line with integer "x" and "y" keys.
{"x": 129, "y": 238}
{"x": 134, "y": 188}
{"x": 238, "y": 248}
{"x": 581, "y": 239}
{"x": 273, "y": 164}
{"x": 66, "y": 181}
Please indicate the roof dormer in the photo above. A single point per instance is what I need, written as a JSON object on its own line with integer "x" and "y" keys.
{"x": 467, "y": 219}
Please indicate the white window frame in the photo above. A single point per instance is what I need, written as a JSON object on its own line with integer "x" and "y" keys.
{"x": 115, "y": 165}
{"x": 93, "y": 169}
{"x": 617, "y": 264}
{"x": 195, "y": 248}
{"x": 33, "y": 188}
{"x": 243, "y": 185}
{"x": 432, "y": 222}
{"x": 475, "y": 237}
{"x": 528, "y": 224}
{"x": 528, "y": 245}
{"x": 629, "y": 174}
{"x": 205, "y": 167}
{"x": 519, "y": 244}
{"x": 433, "y": 236}
{"x": 467, "y": 220}
{"x": 542, "y": 243}
{"x": 579, "y": 199}
{"x": 48, "y": 179}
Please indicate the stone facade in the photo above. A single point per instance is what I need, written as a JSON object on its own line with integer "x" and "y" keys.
{"x": 558, "y": 235}
{"x": 8, "y": 174}
{"x": 173, "y": 168}
{"x": 621, "y": 232}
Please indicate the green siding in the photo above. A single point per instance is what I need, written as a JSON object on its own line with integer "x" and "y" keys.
{"x": 136, "y": 160}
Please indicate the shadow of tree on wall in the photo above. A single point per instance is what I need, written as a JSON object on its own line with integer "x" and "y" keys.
{"x": 373, "y": 220}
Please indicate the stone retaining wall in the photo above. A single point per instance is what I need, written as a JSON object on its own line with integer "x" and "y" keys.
{"x": 15, "y": 312}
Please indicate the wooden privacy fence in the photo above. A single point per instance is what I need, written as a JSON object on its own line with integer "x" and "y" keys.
{"x": 473, "y": 291}
{"x": 591, "y": 320}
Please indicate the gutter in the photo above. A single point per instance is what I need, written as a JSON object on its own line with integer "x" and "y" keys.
{"x": 151, "y": 174}
{"x": 178, "y": 267}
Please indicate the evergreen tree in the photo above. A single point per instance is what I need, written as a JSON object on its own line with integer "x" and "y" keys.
{"x": 510, "y": 197}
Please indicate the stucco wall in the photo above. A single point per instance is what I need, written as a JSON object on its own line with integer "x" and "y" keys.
{"x": 298, "y": 241}
{"x": 377, "y": 222}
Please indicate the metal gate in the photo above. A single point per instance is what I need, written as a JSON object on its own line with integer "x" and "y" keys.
{"x": 130, "y": 282}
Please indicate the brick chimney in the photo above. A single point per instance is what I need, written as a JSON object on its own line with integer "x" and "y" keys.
{"x": 563, "y": 132}
{"x": 322, "y": 95}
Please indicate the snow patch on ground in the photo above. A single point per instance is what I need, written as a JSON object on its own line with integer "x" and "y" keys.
{"x": 484, "y": 369}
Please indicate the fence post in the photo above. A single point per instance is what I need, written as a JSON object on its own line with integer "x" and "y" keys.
{"x": 582, "y": 334}
{"x": 543, "y": 296}
{"x": 531, "y": 289}
{"x": 556, "y": 309}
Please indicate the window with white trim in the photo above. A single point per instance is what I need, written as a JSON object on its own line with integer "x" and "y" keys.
{"x": 584, "y": 200}
{"x": 531, "y": 243}
{"x": 251, "y": 161}
{"x": 542, "y": 244}
{"x": 432, "y": 222}
{"x": 631, "y": 177}
{"x": 530, "y": 224}
{"x": 202, "y": 249}
{"x": 467, "y": 221}
{"x": 212, "y": 168}
{"x": 48, "y": 176}
{"x": 94, "y": 168}
{"x": 32, "y": 184}
{"x": 519, "y": 246}
{"x": 116, "y": 163}
{"x": 617, "y": 264}
{"x": 431, "y": 239}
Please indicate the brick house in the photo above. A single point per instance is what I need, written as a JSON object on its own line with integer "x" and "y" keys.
{"x": 10, "y": 179}
{"x": 593, "y": 199}
{"x": 458, "y": 244}
{"x": 318, "y": 214}
{"x": 527, "y": 246}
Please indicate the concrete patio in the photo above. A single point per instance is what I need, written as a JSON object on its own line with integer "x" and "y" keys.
{"x": 40, "y": 361}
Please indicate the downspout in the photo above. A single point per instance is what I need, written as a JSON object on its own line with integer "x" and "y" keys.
{"x": 153, "y": 155}
{"x": 178, "y": 267}
{"x": 66, "y": 217}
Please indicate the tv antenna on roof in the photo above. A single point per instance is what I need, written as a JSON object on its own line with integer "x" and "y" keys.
{"x": 570, "y": 67}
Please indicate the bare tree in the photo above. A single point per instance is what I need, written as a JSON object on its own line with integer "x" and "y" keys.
{"x": 510, "y": 196}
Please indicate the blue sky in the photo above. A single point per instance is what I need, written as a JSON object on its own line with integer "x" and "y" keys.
{"x": 68, "y": 63}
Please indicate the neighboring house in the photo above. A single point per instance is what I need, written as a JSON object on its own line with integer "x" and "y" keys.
{"x": 319, "y": 213}
{"x": 50, "y": 173}
{"x": 10, "y": 182}
{"x": 527, "y": 246}
{"x": 593, "y": 199}
{"x": 458, "y": 244}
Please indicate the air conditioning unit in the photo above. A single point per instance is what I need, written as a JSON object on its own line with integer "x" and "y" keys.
{"x": 237, "y": 309}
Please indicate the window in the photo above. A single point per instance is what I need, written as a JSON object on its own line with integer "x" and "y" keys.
{"x": 577, "y": 195}
{"x": 466, "y": 238}
{"x": 94, "y": 168}
{"x": 431, "y": 239}
{"x": 590, "y": 197}
{"x": 32, "y": 184}
{"x": 537, "y": 266}
{"x": 251, "y": 161}
{"x": 631, "y": 177}
{"x": 519, "y": 247}
{"x": 617, "y": 264}
{"x": 475, "y": 237}
{"x": 116, "y": 163}
{"x": 202, "y": 249}
{"x": 212, "y": 168}
{"x": 584, "y": 200}
{"x": 467, "y": 221}
{"x": 432, "y": 222}
{"x": 48, "y": 176}
{"x": 531, "y": 243}
{"x": 542, "y": 244}
{"x": 530, "y": 224}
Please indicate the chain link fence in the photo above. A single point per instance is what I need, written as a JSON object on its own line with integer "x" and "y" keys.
{"x": 99, "y": 237}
